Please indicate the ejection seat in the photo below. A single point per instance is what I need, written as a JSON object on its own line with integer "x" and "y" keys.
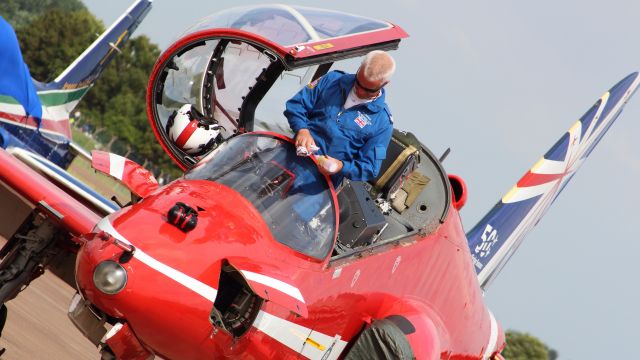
{"x": 397, "y": 171}
{"x": 397, "y": 185}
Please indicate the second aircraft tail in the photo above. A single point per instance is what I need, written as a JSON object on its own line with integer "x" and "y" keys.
{"x": 497, "y": 236}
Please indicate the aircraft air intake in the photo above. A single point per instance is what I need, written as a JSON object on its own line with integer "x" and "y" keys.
{"x": 458, "y": 191}
{"x": 236, "y": 305}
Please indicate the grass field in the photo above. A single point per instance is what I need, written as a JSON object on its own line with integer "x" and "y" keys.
{"x": 83, "y": 140}
{"x": 81, "y": 169}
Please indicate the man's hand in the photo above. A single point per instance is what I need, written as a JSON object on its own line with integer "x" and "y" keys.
{"x": 328, "y": 165}
{"x": 304, "y": 138}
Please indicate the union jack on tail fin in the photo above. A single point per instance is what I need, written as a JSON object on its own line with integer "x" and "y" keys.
{"x": 497, "y": 236}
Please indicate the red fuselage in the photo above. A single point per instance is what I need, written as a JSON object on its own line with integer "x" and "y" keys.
{"x": 173, "y": 279}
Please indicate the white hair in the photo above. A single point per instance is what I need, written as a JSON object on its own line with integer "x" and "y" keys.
{"x": 378, "y": 66}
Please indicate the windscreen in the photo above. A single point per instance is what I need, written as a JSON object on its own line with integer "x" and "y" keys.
{"x": 293, "y": 197}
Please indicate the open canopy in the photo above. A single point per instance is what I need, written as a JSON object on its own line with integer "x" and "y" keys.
{"x": 302, "y": 31}
{"x": 226, "y": 64}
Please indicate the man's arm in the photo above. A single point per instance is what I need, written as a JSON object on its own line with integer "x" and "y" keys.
{"x": 297, "y": 111}
{"x": 373, "y": 152}
{"x": 298, "y": 107}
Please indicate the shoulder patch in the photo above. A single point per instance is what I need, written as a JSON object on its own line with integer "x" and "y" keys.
{"x": 314, "y": 83}
{"x": 330, "y": 76}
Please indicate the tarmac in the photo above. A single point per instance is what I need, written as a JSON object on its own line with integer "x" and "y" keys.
{"x": 37, "y": 325}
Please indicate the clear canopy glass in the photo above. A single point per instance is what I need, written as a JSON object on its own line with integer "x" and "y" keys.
{"x": 241, "y": 83}
{"x": 294, "y": 198}
{"x": 191, "y": 79}
{"x": 289, "y": 25}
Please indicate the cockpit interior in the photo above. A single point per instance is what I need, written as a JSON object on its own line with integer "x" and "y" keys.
{"x": 238, "y": 68}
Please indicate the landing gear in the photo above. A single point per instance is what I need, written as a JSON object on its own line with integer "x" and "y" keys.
{"x": 382, "y": 340}
{"x": 25, "y": 255}
{"x": 23, "y": 259}
{"x": 3, "y": 320}
{"x": 106, "y": 353}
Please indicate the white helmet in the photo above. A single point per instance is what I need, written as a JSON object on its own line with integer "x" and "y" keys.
{"x": 191, "y": 131}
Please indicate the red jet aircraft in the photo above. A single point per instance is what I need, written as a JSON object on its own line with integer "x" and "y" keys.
{"x": 252, "y": 253}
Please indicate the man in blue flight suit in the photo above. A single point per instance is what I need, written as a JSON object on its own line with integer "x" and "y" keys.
{"x": 345, "y": 116}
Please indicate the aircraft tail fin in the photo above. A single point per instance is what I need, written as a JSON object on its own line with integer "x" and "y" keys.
{"x": 89, "y": 65}
{"x": 497, "y": 236}
{"x": 61, "y": 96}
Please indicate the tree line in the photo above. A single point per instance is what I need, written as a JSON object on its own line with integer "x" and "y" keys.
{"x": 52, "y": 33}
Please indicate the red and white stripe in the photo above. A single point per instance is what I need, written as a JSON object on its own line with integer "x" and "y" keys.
{"x": 139, "y": 180}
{"x": 109, "y": 163}
{"x": 296, "y": 337}
{"x": 185, "y": 133}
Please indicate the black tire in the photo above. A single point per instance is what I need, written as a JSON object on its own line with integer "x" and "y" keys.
{"x": 381, "y": 341}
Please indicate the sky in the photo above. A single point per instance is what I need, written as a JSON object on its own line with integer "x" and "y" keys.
{"x": 499, "y": 82}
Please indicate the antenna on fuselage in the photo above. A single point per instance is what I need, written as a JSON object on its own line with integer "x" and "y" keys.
{"x": 444, "y": 155}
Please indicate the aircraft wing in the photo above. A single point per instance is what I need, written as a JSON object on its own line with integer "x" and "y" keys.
{"x": 497, "y": 236}
{"x": 58, "y": 205}
{"x": 66, "y": 181}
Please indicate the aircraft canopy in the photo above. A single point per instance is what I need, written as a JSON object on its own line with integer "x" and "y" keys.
{"x": 238, "y": 67}
{"x": 289, "y": 25}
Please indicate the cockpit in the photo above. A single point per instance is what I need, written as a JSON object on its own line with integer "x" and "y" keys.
{"x": 293, "y": 197}
{"x": 237, "y": 68}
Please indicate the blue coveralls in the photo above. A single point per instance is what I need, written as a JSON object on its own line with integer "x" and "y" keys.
{"x": 357, "y": 136}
